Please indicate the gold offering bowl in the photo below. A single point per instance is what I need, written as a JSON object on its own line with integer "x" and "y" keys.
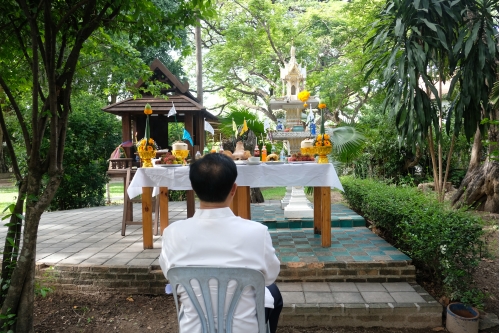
{"x": 180, "y": 153}
{"x": 322, "y": 151}
{"x": 308, "y": 151}
{"x": 146, "y": 157}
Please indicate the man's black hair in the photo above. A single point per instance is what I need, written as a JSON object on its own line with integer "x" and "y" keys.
{"x": 212, "y": 177}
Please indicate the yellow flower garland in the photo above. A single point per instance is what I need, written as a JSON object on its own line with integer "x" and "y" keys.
{"x": 304, "y": 95}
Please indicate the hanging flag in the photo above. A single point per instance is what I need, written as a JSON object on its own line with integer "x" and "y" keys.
{"x": 310, "y": 116}
{"x": 266, "y": 124}
{"x": 209, "y": 127}
{"x": 127, "y": 144}
{"x": 235, "y": 129}
{"x": 245, "y": 127}
{"x": 172, "y": 111}
{"x": 187, "y": 136}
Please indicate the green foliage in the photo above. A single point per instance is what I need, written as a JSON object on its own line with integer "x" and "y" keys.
{"x": 8, "y": 319}
{"x": 382, "y": 157}
{"x": 48, "y": 276}
{"x": 416, "y": 44}
{"x": 442, "y": 242}
{"x": 177, "y": 195}
{"x": 92, "y": 136}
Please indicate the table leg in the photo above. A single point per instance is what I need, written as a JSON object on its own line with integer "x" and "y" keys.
{"x": 317, "y": 210}
{"x": 190, "y": 203}
{"x": 326, "y": 217}
{"x": 163, "y": 197}
{"x": 243, "y": 202}
{"x": 234, "y": 204}
{"x": 147, "y": 218}
{"x": 130, "y": 208}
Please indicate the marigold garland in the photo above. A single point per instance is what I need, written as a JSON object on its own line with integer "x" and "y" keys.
{"x": 304, "y": 95}
{"x": 147, "y": 143}
{"x": 322, "y": 140}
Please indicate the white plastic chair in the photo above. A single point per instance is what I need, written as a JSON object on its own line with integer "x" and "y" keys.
{"x": 203, "y": 274}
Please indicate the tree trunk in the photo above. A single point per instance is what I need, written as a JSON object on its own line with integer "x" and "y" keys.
{"x": 199, "y": 77}
{"x": 20, "y": 295}
{"x": 479, "y": 188}
{"x": 256, "y": 195}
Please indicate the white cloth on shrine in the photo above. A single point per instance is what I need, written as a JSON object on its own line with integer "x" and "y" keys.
{"x": 262, "y": 175}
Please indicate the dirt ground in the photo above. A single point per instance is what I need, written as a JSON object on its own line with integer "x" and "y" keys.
{"x": 103, "y": 313}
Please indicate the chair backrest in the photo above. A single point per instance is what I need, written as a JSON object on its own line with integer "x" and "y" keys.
{"x": 203, "y": 274}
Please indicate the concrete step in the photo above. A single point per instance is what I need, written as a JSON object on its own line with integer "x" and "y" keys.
{"x": 391, "y": 305}
{"x": 392, "y": 271}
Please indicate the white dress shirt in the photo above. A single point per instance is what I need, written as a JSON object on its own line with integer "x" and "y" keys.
{"x": 216, "y": 237}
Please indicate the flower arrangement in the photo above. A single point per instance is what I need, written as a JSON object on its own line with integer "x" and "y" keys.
{"x": 146, "y": 147}
{"x": 322, "y": 143}
{"x": 322, "y": 140}
{"x": 147, "y": 143}
{"x": 304, "y": 96}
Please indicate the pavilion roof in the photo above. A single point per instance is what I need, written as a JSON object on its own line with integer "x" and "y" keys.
{"x": 182, "y": 103}
{"x": 178, "y": 94}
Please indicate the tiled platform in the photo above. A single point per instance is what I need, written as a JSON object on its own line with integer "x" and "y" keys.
{"x": 271, "y": 214}
{"x": 93, "y": 236}
{"x": 348, "y": 245}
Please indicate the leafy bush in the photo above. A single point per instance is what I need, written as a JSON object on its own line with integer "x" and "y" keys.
{"x": 442, "y": 242}
{"x": 92, "y": 137}
{"x": 177, "y": 195}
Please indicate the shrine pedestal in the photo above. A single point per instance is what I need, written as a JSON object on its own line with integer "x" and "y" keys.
{"x": 298, "y": 206}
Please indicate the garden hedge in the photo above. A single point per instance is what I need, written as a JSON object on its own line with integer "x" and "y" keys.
{"x": 442, "y": 242}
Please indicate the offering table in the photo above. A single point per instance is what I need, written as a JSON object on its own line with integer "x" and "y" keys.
{"x": 320, "y": 176}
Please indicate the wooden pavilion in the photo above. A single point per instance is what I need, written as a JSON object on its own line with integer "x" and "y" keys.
{"x": 131, "y": 111}
{"x": 189, "y": 112}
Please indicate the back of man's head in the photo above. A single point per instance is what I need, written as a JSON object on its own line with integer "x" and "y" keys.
{"x": 212, "y": 177}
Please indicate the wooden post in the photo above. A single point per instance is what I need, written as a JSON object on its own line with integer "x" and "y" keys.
{"x": 126, "y": 135}
{"x": 147, "y": 217}
{"x": 234, "y": 203}
{"x": 188, "y": 124}
{"x": 201, "y": 132}
{"x": 163, "y": 197}
{"x": 317, "y": 210}
{"x": 326, "y": 217}
{"x": 190, "y": 203}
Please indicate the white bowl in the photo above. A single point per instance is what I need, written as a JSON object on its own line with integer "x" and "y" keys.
{"x": 254, "y": 159}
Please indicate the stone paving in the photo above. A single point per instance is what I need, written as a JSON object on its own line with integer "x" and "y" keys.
{"x": 88, "y": 253}
{"x": 93, "y": 236}
{"x": 350, "y": 292}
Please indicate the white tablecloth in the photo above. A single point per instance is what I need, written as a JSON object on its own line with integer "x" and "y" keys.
{"x": 262, "y": 175}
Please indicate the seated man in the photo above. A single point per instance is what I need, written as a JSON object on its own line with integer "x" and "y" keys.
{"x": 214, "y": 236}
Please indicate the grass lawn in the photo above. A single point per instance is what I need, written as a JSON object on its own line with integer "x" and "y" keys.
{"x": 8, "y": 195}
{"x": 273, "y": 193}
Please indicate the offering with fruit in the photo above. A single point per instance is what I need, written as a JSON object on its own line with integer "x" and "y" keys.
{"x": 168, "y": 158}
{"x": 300, "y": 158}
